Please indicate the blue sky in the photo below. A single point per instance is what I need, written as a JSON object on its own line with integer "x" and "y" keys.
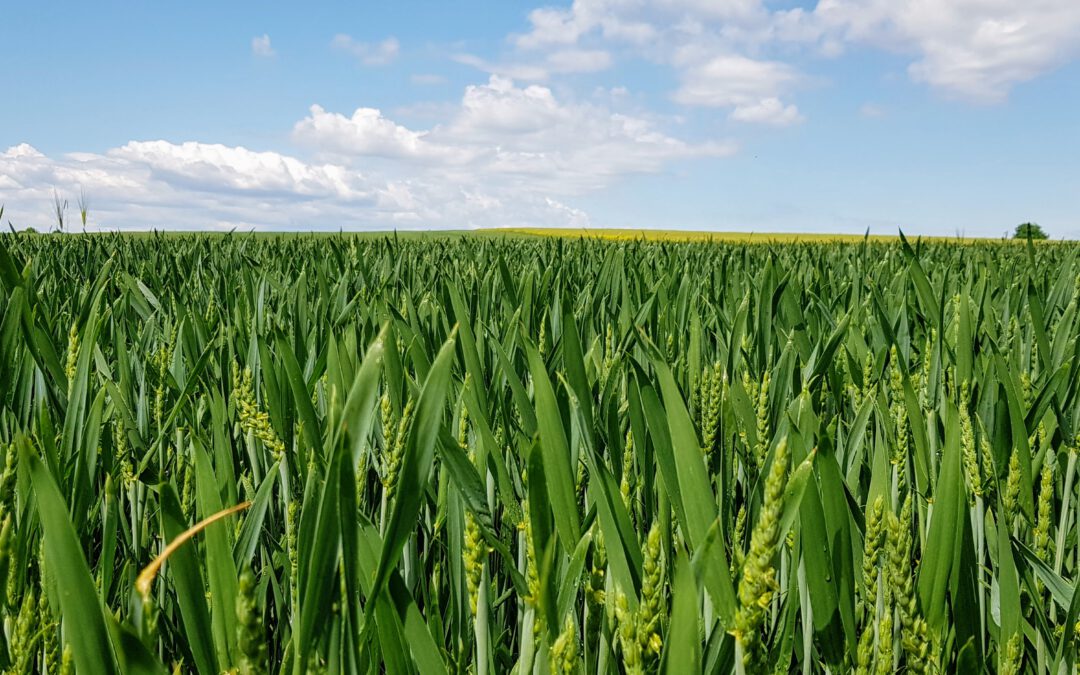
{"x": 946, "y": 117}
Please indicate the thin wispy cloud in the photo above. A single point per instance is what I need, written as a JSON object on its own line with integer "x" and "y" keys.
{"x": 367, "y": 53}
{"x": 872, "y": 110}
{"x": 543, "y": 68}
{"x": 427, "y": 79}
{"x": 261, "y": 47}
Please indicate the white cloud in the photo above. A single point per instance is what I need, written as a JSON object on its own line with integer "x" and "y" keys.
{"x": 365, "y": 133}
{"x": 552, "y": 26}
{"x": 643, "y": 24}
{"x": 713, "y": 46}
{"x": 972, "y": 49}
{"x": 505, "y": 155}
{"x": 369, "y": 54}
{"x": 731, "y": 80}
{"x": 261, "y": 47}
{"x": 611, "y": 19}
{"x": 975, "y": 49}
{"x": 505, "y": 134}
{"x": 21, "y": 151}
{"x": 768, "y": 111}
{"x": 749, "y": 86}
{"x": 199, "y": 186}
{"x": 156, "y": 183}
{"x": 219, "y": 168}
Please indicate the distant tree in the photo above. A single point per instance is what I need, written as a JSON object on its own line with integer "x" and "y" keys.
{"x": 1032, "y": 230}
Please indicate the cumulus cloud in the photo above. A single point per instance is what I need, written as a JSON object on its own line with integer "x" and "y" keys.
{"x": 503, "y": 133}
{"x": 369, "y": 54}
{"x": 198, "y": 186}
{"x": 365, "y": 133}
{"x": 161, "y": 184}
{"x": 505, "y": 155}
{"x": 261, "y": 47}
{"x": 750, "y": 87}
{"x": 218, "y": 168}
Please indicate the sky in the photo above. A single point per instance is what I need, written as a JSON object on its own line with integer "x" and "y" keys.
{"x": 934, "y": 117}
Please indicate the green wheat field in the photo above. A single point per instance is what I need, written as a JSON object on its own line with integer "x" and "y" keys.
{"x": 528, "y": 454}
